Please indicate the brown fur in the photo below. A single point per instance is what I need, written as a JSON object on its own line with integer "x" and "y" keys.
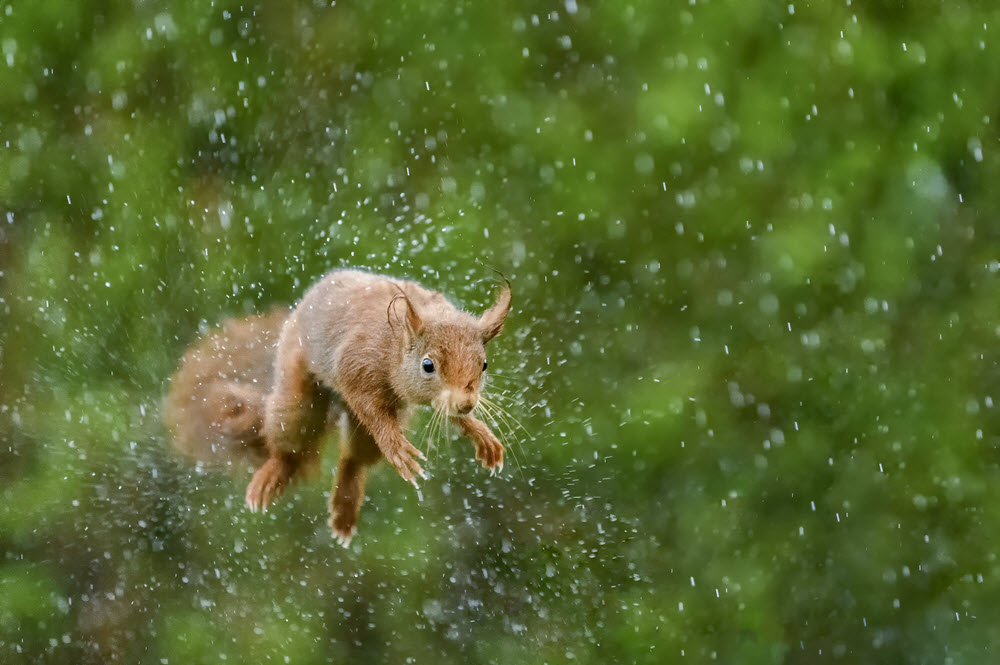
{"x": 214, "y": 408}
{"x": 353, "y": 347}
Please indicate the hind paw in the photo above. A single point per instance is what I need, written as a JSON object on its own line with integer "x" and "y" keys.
{"x": 344, "y": 540}
{"x": 343, "y": 529}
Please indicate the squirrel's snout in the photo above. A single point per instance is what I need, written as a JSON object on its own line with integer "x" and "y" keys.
{"x": 460, "y": 402}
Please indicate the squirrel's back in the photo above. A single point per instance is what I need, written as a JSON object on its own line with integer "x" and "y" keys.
{"x": 215, "y": 405}
{"x": 351, "y": 309}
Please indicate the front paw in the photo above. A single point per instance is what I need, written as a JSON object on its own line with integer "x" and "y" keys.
{"x": 489, "y": 451}
{"x": 403, "y": 457}
{"x": 267, "y": 484}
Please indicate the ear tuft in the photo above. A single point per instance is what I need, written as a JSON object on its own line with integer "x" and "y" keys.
{"x": 491, "y": 322}
{"x": 410, "y": 318}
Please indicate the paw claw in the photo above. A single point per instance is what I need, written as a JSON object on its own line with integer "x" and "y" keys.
{"x": 267, "y": 484}
{"x": 404, "y": 459}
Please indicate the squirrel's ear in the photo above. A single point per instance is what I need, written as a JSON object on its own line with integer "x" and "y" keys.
{"x": 409, "y": 316}
{"x": 491, "y": 322}
{"x": 413, "y": 321}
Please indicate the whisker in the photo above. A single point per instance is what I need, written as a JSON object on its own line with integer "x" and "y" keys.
{"x": 514, "y": 397}
{"x": 506, "y": 414}
{"x": 430, "y": 432}
{"x": 447, "y": 427}
{"x": 510, "y": 416}
{"x": 490, "y": 415}
{"x": 433, "y": 426}
{"x": 503, "y": 418}
{"x": 503, "y": 422}
{"x": 428, "y": 427}
{"x": 501, "y": 377}
{"x": 442, "y": 424}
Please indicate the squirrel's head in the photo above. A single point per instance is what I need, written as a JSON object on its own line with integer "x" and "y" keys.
{"x": 444, "y": 356}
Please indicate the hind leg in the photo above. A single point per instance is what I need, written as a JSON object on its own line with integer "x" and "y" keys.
{"x": 358, "y": 452}
{"x": 294, "y": 423}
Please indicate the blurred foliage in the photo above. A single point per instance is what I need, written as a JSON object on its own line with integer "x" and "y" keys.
{"x": 754, "y": 353}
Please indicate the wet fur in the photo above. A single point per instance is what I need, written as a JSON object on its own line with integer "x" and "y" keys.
{"x": 214, "y": 406}
{"x": 349, "y": 353}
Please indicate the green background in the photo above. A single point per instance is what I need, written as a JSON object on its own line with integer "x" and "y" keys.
{"x": 754, "y": 250}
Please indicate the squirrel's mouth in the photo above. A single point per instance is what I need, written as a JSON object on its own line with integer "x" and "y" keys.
{"x": 455, "y": 409}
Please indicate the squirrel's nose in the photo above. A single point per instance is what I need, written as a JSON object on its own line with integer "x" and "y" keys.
{"x": 464, "y": 409}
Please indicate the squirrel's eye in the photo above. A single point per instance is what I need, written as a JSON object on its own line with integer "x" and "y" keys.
{"x": 428, "y": 365}
{"x": 484, "y": 365}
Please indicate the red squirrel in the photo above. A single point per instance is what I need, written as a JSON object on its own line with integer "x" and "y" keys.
{"x": 360, "y": 348}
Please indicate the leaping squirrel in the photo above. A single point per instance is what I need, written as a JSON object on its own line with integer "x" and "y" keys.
{"x": 359, "y": 348}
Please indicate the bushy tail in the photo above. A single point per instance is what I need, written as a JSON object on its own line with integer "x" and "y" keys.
{"x": 214, "y": 407}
